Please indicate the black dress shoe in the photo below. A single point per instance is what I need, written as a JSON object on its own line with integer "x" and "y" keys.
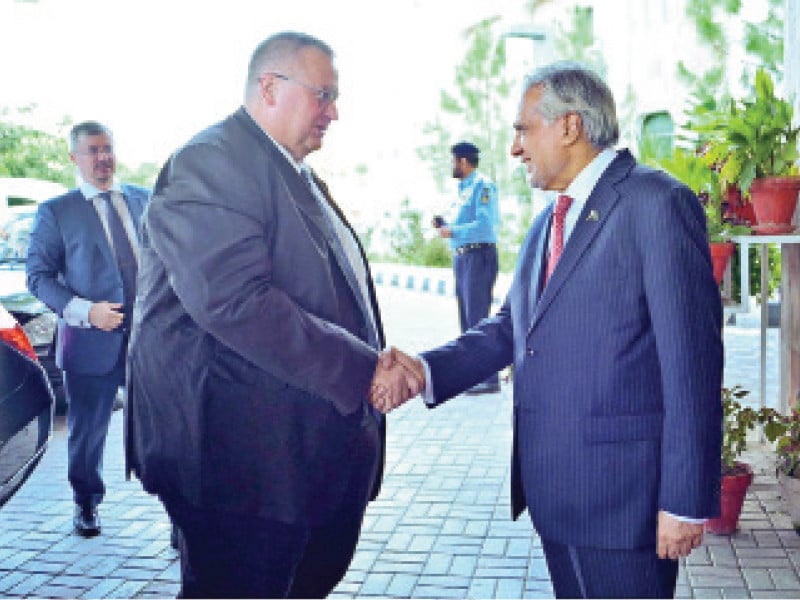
{"x": 483, "y": 388}
{"x": 86, "y": 521}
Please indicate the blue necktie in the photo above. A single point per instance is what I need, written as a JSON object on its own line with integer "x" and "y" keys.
{"x": 126, "y": 259}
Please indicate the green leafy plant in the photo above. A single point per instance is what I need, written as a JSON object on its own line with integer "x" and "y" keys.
{"x": 752, "y": 138}
{"x": 788, "y": 444}
{"x": 738, "y": 420}
{"x": 691, "y": 169}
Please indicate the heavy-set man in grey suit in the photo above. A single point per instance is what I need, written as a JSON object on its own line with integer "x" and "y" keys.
{"x": 82, "y": 264}
{"x": 255, "y": 342}
{"x": 617, "y": 355}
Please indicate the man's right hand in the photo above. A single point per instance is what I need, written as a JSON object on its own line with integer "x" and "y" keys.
{"x": 105, "y": 315}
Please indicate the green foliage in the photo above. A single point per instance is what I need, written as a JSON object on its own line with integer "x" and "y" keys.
{"x": 738, "y": 420}
{"x": 145, "y": 174}
{"x": 409, "y": 246}
{"x": 691, "y": 169}
{"x": 788, "y": 444}
{"x": 476, "y": 109}
{"x": 27, "y": 152}
{"x": 754, "y": 137}
{"x": 578, "y": 42}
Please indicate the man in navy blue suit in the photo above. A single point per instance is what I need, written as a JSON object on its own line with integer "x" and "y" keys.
{"x": 82, "y": 263}
{"x": 613, "y": 325}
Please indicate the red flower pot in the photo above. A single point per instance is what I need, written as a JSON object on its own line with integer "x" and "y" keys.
{"x": 732, "y": 493}
{"x": 774, "y": 200}
{"x": 742, "y": 210}
{"x": 721, "y": 253}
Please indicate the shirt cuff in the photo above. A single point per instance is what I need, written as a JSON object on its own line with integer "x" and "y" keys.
{"x": 691, "y": 520}
{"x": 76, "y": 312}
{"x": 427, "y": 393}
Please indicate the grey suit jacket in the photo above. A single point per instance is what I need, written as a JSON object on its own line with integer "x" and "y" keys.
{"x": 249, "y": 363}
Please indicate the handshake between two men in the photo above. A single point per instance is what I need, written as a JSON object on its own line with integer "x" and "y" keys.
{"x": 398, "y": 378}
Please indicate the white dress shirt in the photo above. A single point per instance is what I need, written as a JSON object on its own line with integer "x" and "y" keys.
{"x": 76, "y": 312}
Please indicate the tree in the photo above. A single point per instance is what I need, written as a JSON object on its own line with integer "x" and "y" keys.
{"x": 27, "y": 152}
{"x": 30, "y": 152}
{"x": 408, "y": 244}
{"x": 476, "y": 110}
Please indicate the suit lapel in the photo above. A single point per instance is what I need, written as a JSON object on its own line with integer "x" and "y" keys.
{"x": 599, "y": 205}
{"x": 309, "y": 206}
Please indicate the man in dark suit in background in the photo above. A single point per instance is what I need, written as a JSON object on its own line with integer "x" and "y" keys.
{"x": 255, "y": 343}
{"x": 613, "y": 324}
{"x": 82, "y": 264}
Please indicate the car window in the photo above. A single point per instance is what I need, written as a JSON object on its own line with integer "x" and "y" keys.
{"x": 15, "y": 234}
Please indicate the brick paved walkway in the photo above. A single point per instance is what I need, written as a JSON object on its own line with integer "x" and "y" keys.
{"x": 440, "y": 528}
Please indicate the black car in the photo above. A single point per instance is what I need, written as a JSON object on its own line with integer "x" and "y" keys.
{"x": 38, "y": 321}
{"x": 26, "y": 407}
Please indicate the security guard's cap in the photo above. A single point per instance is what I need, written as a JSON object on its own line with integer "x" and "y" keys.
{"x": 465, "y": 150}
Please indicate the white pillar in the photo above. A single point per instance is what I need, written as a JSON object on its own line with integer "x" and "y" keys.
{"x": 791, "y": 53}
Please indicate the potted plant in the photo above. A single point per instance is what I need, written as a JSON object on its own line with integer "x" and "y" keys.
{"x": 691, "y": 169}
{"x": 738, "y": 421}
{"x": 755, "y": 146}
{"x": 787, "y": 449}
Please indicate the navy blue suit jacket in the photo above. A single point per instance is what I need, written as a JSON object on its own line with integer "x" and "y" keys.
{"x": 69, "y": 256}
{"x": 617, "y": 365}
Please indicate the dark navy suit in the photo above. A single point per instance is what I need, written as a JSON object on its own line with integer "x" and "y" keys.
{"x": 69, "y": 256}
{"x": 617, "y": 367}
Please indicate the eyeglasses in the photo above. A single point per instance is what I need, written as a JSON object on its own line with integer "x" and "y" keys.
{"x": 325, "y": 96}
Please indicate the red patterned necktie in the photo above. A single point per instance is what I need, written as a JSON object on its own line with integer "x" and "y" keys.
{"x": 557, "y": 232}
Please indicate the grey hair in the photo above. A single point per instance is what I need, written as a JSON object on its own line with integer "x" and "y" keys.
{"x": 86, "y": 128}
{"x": 277, "y": 50}
{"x": 571, "y": 87}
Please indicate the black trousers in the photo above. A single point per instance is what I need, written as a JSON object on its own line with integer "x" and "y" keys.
{"x": 578, "y": 572}
{"x": 233, "y": 556}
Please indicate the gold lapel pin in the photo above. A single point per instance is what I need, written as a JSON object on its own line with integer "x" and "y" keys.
{"x": 593, "y": 215}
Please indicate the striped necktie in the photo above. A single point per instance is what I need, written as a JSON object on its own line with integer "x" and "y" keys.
{"x": 126, "y": 259}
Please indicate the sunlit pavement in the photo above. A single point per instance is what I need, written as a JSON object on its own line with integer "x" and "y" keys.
{"x": 440, "y": 529}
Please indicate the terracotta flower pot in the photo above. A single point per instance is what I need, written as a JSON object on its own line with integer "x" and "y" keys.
{"x": 732, "y": 493}
{"x": 721, "y": 253}
{"x": 774, "y": 200}
{"x": 738, "y": 208}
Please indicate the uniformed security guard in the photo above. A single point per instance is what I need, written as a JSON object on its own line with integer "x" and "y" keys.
{"x": 472, "y": 228}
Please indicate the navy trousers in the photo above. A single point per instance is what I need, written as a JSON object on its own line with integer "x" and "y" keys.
{"x": 475, "y": 274}
{"x": 90, "y": 400}
{"x": 605, "y": 573}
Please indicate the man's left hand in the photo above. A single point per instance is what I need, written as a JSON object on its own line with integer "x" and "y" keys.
{"x": 676, "y": 538}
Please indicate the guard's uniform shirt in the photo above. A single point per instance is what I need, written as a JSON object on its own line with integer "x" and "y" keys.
{"x": 475, "y": 216}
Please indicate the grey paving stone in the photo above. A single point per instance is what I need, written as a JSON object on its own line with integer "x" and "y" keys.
{"x": 510, "y": 588}
{"x": 785, "y": 579}
{"x": 735, "y": 592}
{"x": 463, "y": 566}
{"x": 438, "y": 564}
{"x": 758, "y": 579}
{"x": 376, "y": 583}
{"x": 483, "y": 587}
{"x": 30, "y": 583}
{"x": 401, "y": 585}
